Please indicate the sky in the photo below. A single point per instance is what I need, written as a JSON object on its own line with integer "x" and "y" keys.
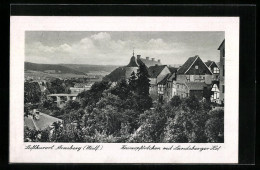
{"x": 116, "y": 48}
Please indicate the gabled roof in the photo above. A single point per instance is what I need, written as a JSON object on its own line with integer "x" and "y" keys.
{"x": 165, "y": 79}
{"x": 208, "y": 63}
{"x": 196, "y": 85}
{"x": 154, "y": 71}
{"x": 41, "y": 123}
{"x": 172, "y": 77}
{"x": 223, "y": 42}
{"x": 173, "y": 69}
{"x": 117, "y": 74}
{"x": 187, "y": 65}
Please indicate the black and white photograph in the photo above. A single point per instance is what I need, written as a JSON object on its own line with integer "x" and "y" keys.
{"x": 124, "y": 87}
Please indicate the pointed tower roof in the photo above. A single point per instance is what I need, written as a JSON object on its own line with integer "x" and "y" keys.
{"x": 133, "y": 62}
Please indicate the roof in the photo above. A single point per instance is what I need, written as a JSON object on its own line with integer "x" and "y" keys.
{"x": 165, "y": 79}
{"x": 154, "y": 71}
{"x": 173, "y": 69}
{"x": 29, "y": 123}
{"x": 196, "y": 85}
{"x": 172, "y": 77}
{"x": 208, "y": 63}
{"x": 41, "y": 123}
{"x": 148, "y": 62}
{"x": 72, "y": 95}
{"x": 187, "y": 65}
{"x": 117, "y": 74}
{"x": 223, "y": 42}
{"x": 133, "y": 62}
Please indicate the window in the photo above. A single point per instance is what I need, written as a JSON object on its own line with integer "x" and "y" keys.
{"x": 214, "y": 88}
{"x": 215, "y": 70}
{"x": 196, "y": 67}
{"x": 188, "y": 79}
{"x": 223, "y": 88}
{"x": 216, "y": 95}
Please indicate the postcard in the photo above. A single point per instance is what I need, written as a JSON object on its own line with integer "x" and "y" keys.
{"x": 124, "y": 89}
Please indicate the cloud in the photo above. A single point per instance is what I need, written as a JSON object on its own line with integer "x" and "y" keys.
{"x": 102, "y": 48}
{"x": 102, "y": 36}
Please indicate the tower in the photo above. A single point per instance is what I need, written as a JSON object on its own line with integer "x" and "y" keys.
{"x": 131, "y": 67}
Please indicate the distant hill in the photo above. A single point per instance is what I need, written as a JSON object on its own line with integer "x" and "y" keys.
{"x": 55, "y": 68}
{"x": 87, "y": 68}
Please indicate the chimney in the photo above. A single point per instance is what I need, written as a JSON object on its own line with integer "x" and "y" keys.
{"x": 147, "y": 58}
{"x": 159, "y": 60}
{"x": 152, "y": 59}
{"x": 138, "y": 56}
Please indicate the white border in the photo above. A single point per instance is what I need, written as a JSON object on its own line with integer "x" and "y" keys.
{"x": 111, "y": 153}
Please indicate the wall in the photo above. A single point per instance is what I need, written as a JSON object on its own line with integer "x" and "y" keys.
{"x": 129, "y": 71}
{"x": 182, "y": 90}
{"x": 222, "y": 72}
{"x": 195, "y": 78}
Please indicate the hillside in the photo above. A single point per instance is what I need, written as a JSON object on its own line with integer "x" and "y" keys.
{"x": 87, "y": 68}
{"x": 50, "y": 67}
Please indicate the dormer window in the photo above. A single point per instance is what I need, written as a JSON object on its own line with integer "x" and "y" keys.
{"x": 196, "y": 67}
{"x": 215, "y": 70}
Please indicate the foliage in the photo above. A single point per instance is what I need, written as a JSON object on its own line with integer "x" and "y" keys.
{"x": 92, "y": 96}
{"x": 188, "y": 124}
{"x": 57, "y": 86}
{"x": 133, "y": 81}
{"x": 143, "y": 82}
{"x": 214, "y": 127}
{"x": 32, "y": 92}
{"x": 36, "y": 135}
{"x": 125, "y": 113}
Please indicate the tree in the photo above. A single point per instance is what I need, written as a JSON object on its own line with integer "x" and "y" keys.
{"x": 143, "y": 82}
{"x": 71, "y": 105}
{"x": 91, "y": 97}
{"x": 133, "y": 81}
{"x": 122, "y": 89}
{"x": 214, "y": 127}
{"x": 175, "y": 101}
{"x": 57, "y": 86}
{"x": 32, "y": 92}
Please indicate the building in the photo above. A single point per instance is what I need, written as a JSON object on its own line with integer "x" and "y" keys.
{"x": 133, "y": 66}
{"x": 194, "y": 70}
{"x": 194, "y": 77}
{"x": 77, "y": 90}
{"x": 80, "y": 87}
{"x": 166, "y": 89}
{"x": 215, "y": 93}
{"x": 135, "y": 62}
{"x": 157, "y": 73}
{"x": 215, "y": 81}
{"x": 214, "y": 69}
{"x": 221, "y": 49}
{"x": 39, "y": 121}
